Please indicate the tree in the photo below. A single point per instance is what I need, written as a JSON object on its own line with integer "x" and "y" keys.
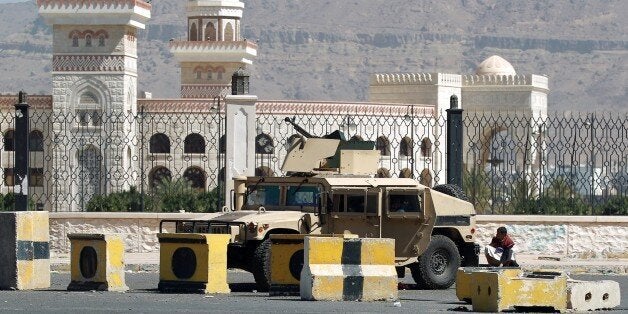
{"x": 476, "y": 187}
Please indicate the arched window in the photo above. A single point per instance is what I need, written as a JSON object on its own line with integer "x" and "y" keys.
{"x": 219, "y": 74}
{"x": 193, "y": 32}
{"x": 382, "y": 144}
{"x": 426, "y": 147}
{"x": 405, "y": 147}
{"x": 264, "y": 144}
{"x": 210, "y": 75}
{"x": 382, "y": 173}
{"x": 159, "y": 144}
{"x": 194, "y": 144}
{"x": 210, "y": 32}
{"x": 405, "y": 173}
{"x": 199, "y": 75}
{"x": 196, "y": 176}
{"x": 89, "y": 111}
{"x": 9, "y": 141}
{"x": 75, "y": 40}
{"x": 228, "y": 32}
{"x": 101, "y": 40}
{"x": 426, "y": 177}
{"x": 88, "y": 40}
{"x": 158, "y": 175}
{"x": 264, "y": 171}
{"x": 36, "y": 141}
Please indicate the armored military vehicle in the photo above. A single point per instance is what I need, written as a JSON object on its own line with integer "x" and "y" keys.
{"x": 330, "y": 189}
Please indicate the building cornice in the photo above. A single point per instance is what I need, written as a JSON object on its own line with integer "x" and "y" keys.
{"x": 214, "y": 51}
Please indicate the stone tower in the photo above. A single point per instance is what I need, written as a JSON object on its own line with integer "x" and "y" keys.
{"x": 214, "y": 48}
{"x": 94, "y": 78}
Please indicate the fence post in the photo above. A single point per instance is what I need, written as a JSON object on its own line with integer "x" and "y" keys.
{"x": 21, "y": 153}
{"x": 240, "y": 119}
{"x": 454, "y": 142}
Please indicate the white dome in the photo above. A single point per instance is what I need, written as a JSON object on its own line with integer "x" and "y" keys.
{"x": 495, "y": 65}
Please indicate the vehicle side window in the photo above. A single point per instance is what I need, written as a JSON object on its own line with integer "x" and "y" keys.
{"x": 400, "y": 203}
{"x": 356, "y": 203}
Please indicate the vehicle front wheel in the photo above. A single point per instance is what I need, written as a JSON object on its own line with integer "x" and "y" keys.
{"x": 261, "y": 265}
{"x": 437, "y": 267}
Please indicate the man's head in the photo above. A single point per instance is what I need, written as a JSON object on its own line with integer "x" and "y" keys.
{"x": 501, "y": 232}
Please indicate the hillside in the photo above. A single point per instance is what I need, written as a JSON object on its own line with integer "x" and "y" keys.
{"x": 325, "y": 50}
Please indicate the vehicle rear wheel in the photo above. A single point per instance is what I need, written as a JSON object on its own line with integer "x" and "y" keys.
{"x": 261, "y": 265}
{"x": 451, "y": 190}
{"x": 437, "y": 267}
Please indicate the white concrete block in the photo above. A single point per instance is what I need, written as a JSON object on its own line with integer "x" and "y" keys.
{"x": 592, "y": 295}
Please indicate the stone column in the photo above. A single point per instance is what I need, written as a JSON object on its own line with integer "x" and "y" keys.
{"x": 240, "y": 133}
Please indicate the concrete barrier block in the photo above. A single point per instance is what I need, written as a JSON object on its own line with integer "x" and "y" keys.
{"x": 585, "y": 296}
{"x": 338, "y": 269}
{"x": 496, "y": 292}
{"x": 24, "y": 250}
{"x": 97, "y": 262}
{"x": 466, "y": 283}
{"x": 193, "y": 263}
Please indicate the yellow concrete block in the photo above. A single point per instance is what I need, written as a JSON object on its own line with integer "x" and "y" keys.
{"x": 496, "y": 292}
{"x": 193, "y": 263}
{"x": 24, "y": 250}
{"x": 97, "y": 262}
{"x": 465, "y": 283}
{"x": 286, "y": 262}
{"x": 337, "y": 269}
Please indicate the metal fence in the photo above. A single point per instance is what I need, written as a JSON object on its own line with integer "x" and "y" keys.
{"x": 514, "y": 163}
{"x": 77, "y": 155}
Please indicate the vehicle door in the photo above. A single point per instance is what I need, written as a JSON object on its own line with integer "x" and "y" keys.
{"x": 355, "y": 211}
{"x": 407, "y": 219}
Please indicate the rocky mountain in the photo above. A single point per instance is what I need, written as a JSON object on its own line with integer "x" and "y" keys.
{"x": 326, "y": 50}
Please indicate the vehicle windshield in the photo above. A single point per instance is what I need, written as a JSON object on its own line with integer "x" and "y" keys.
{"x": 263, "y": 195}
{"x": 302, "y": 196}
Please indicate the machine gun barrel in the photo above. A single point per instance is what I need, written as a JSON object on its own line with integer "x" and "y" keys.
{"x": 298, "y": 128}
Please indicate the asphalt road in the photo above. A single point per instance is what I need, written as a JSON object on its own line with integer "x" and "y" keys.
{"x": 144, "y": 298}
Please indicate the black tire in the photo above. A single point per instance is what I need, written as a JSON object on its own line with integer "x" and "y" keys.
{"x": 451, "y": 190}
{"x": 261, "y": 266}
{"x": 437, "y": 266}
{"x": 469, "y": 257}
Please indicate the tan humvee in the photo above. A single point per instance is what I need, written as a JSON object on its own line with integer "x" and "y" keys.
{"x": 433, "y": 231}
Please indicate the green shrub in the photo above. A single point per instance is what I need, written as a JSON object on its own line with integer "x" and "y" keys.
{"x": 614, "y": 206}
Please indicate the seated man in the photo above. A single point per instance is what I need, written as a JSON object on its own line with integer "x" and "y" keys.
{"x": 500, "y": 251}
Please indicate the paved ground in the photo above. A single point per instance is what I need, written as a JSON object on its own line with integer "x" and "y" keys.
{"x": 244, "y": 299}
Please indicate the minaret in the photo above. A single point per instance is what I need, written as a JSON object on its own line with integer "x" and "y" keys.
{"x": 214, "y": 48}
{"x": 94, "y": 77}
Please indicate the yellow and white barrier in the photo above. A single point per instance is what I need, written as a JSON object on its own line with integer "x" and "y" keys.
{"x": 496, "y": 291}
{"x": 24, "y": 250}
{"x": 97, "y": 262}
{"x": 192, "y": 262}
{"x": 466, "y": 283}
{"x": 338, "y": 269}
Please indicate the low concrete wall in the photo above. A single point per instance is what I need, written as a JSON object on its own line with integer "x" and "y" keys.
{"x": 562, "y": 236}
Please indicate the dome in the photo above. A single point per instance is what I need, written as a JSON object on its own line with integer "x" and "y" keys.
{"x": 495, "y": 65}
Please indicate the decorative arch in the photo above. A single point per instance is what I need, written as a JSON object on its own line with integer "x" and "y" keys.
{"x": 406, "y": 147}
{"x": 382, "y": 144}
{"x": 88, "y": 40}
{"x": 193, "y": 32}
{"x": 426, "y": 147}
{"x": 88, "y": 110}
{"x": 157, "y": 175}
{"x": 405, "y": 173}
{"x": 264, "y": 171}
{"x": 196, "y": 176}
{"x": 382, "y": 173}
{"x": 264, "y": 144}
{"x": 210, "y": 32}
{"x": 159, "y": 144}
{"x": 228, "y": 32}
{"x": 426, "y": 177}
{"x": 194, "y": 144}
{"x": 75, "y": 40}
{"x": 9, "y": 140}
{"x": 36, "y": 141}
